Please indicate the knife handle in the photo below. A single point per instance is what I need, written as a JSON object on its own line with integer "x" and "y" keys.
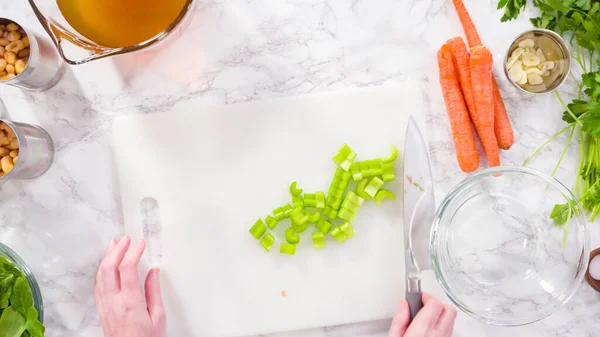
{"x": 415, "y": 303}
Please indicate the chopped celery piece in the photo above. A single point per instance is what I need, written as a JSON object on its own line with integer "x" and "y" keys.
{"x": 295, "y": 212}
{"x": 287, "y": 248}
{"x": 314, "y": 217}
{"x": 334, "y": 202}
{"x": 309, "y": 200}
{"x": 342, "y": 175}
{"x": 319, "y": 200}
{"x": 291, "y": 236}
{"x": 324, "y": 226}
{"x": 356, "y": 172}
{"x": 375, "y": 167}
{"x": 258, "y": 229}
{"x": 338, "y": 235}
{"x": 346, "y": 214}
{"x": 279, "y": 214}
{"x": 267, "y": 242}
{"x": 318, "y": 240}
{"x": 300, "y": 219}
{"x": 299, "y": 227}
{"x": 373, "y": 186}
{"x": 297, "y": 201}
{"x": 360, "y": 189}
{"x": 271, "y": 222}
{"x": 384, "y": 194}
{"x": 347, "y": 228}
{"x": 294, "y": 190}
{"x": 336, "y": 192}
{"x": 344, "y": 157}
{"x": 388, "y": 172}
{"x": 393, "y": 155}
{"x": 330, "y": 212}
{"x": 352, "y": 201}
{"x": 287, "y": 209}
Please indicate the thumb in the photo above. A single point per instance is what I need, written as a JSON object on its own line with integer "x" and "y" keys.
{"x": 154, "y": 299}
{"x": 400, "y": 321}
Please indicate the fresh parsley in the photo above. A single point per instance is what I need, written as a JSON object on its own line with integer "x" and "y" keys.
{"x": 512, "y": 8}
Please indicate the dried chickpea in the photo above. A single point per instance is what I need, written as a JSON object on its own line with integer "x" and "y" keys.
{"x": 4, "y": 139}
{"x": 7, "y": 164}
{"x": 8, "y": 131}
{"x": 13, "y": 153}
{"x": 4, "y": 42}
{"x": 3, "y": 64}
{"x": 20, "y": 66}
{"x": 14, "y": 144}
{"x": 15, "y": 159}
{"x": 7, "y": 77}
{"x": 24, "y": 53}
{"x": 25, "y": 41}
{"x": 10, "y": 57}
{"x": 12, "y": 27}
{"x": 2, "y": 51}
{"x": 22, "y": 31}
{"x": 10, "y": 69}
{"x": 13, "y": 36}
{"x": 15, "y": 46}
{"x": 3, "y": 152}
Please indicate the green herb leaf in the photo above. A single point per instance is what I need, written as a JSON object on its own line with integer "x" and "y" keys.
{"x": 21, "y": 298}
{"x": 591, "y": 123}
{"x": 12, "y": 323}
{"x": 562, "y": 213}
{"x": 512, "y": 8}
{"x": 33, "y": 326}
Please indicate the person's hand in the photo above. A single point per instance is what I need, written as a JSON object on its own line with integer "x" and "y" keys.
{"x": 124, "y": 309}
{"x": 435, "y": 319}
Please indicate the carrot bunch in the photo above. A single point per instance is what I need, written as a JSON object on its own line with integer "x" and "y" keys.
{"x": 472, "y": 95}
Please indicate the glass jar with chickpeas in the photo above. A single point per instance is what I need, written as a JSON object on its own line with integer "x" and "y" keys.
{"x": 26, "y": 150}
{"x": 27, "y": 60}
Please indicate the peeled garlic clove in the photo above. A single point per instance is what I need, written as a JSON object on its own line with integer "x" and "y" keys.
{"x": 516, "y": 73}
{"x": 546, "y": 74}
{"x": 533, "y": 71}
{"x": 523, "y": 79}
{"x": 540, "y": 54}
{"x": 527, "y": 43}
{"x": 530, "y": 59}
{"x": 517, "y": 64}
{"x": 511, "y": 60}
{"x": 550, "y": 65}
{"x": 517, "y": 52}
{"x": 535, "y": 79}
{"x": 542, "y": 67}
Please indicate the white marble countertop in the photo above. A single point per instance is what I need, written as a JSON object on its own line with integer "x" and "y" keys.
{"x": 240, "y": 50}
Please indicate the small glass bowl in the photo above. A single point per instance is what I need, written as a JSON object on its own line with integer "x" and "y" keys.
{"x": 496, "y": 252}
{"x": 11, "y": 256}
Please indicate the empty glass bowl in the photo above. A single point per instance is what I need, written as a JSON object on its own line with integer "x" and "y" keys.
{"x": 497, "y": 253}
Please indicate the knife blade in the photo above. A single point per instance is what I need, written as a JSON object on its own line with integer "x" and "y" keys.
{"x": 419, "y": 208}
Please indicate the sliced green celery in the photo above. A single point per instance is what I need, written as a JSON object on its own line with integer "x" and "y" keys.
{"x": 271, "y": 222}
{"x": 330, "y": 212}
{"x": 267, "y": 242}
{"x": 287, "y": 209}
{"x": 356, "y": 172}
{"x": 388, "y": 172}
{"x": 393, "y": 156}
{"x": 291, "y": 236}
{"x": 319, "y": 200}
{"x": 338, "y": 234}
{"x": 258, "y": 229}
{"x": 294, "y": 190}
{"x": 373, "y": 186}
{"x": 310, "y": 200}
{"x": 346, "y": 214}
{"x": 324, "y": 226}
{"x": 347, "y": 228}
{"x": 298, "y": 201}
{"x": 287, "y": 248}
{"x": 384, "y": 194}
{"x": 279, "y": 214}
{"x": 360, "y": 189}
{"x": 352, "y": 201}
{"x": 314, "y": 217}
{"x": 318, "y": 240}
{"x": 334, "y": 202}
{"x": 344, "y": 157}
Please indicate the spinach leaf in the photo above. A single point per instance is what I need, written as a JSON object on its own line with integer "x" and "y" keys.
{"x": 21, "y": 298}
{"x": 33, "y": 326}
{"x": 6, "y": 283}
{"x": 12, "y": 323}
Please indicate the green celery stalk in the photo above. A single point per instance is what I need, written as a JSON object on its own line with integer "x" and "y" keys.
{"x": 271, "y": 222}
{"x": 294, "y": 190}
{"x": 258, "y": 229}
{"x": 347, "y": 228}
{"x": 310, "y": 200}
{"x": 318, "y": 240}
{"x": 330, "y": 212}
{"x": 267, "y": 242}
{"x": 314, "y": 217}
{"x": 319, "y": 200}
{"x": 360, "y": 189}
{"x": 393, "y": 156}
{"x": 323, "y": 226}
{"x": 373, "y": 186}
{"x": 298, "y": 201}
{"x": 291, "y": 236}
{"x": 338, "y": 234}
{"x": 384, "y": 194}
{"x": 287, "y": 248}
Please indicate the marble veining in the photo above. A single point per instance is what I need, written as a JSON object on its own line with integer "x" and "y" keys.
{"x": 236, "y": 51}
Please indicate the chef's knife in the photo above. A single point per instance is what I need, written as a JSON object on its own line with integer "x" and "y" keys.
{"x": 419, "y": 207}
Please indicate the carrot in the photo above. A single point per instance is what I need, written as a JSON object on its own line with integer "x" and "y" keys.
{"x": 502, "y": 128}
{"x": 462, "y": 66}
{"x": 464, "y": 141}
{"x": 483, "y": 94}
{"x": 467, "y": 23}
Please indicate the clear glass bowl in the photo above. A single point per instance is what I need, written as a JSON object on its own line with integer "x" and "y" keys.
{"x": 11, "y": 256}
{"x": 496, "y": 252}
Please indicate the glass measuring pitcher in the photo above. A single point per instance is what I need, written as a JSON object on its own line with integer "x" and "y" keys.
{"x": 63, "y": 33}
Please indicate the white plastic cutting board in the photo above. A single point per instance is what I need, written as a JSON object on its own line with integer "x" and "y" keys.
{"x": 215, "y": 170}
